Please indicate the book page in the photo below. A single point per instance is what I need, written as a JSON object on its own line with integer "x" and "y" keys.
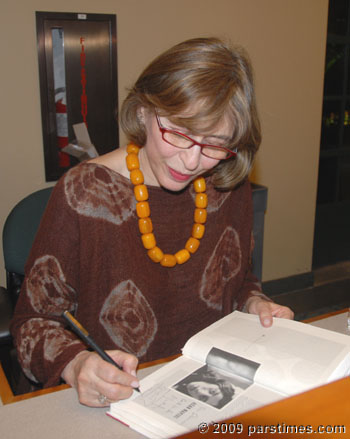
{"x": 185, "y": 393}
{"x": 292, "y": 356}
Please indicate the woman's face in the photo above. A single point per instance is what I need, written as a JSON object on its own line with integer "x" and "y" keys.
{"x": 174, "y": 168}
{"x": 206, "y": 392}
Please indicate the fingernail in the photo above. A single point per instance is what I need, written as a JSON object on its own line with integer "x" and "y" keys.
{"x": 133, "y": 373}
{"x": 135, "y": 384}
{"x": 266, "y": 322}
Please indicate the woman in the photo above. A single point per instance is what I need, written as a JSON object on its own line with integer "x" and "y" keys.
{"x": 191, "y": 114}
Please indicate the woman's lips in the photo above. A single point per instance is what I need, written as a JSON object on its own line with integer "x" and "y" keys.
{"x": 178, "y": 176}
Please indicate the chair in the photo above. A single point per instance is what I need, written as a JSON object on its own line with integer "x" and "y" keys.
{"x": 18, "y": 235}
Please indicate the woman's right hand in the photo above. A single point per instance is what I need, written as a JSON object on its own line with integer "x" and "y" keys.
{"x": 94, "y": 378}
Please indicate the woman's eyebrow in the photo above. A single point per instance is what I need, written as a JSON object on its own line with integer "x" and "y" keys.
{"x": 218, "y": 136}
{"x": 173, "y": 127}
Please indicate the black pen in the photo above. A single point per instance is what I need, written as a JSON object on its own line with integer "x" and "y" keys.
{"x": 84, "y": 335}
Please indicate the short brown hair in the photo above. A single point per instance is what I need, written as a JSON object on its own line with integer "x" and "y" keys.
{"x": 215, "y": 79}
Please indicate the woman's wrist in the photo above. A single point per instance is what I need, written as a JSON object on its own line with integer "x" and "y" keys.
{"x": 68, "y": 373}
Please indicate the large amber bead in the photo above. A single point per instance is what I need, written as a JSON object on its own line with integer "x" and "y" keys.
{"x": 182, "y": 256}
{"x": 200, "y": 216}
{"x": 145, "y": 225}
{"x": 192, "y": 245}
{"x": 132, "y": 161}
{"x": 141, "y": 192}
{"x": 155, "y": 254}
{"x": 148, "y": 240}
{"x": 198, "y": 231}
{"x": 201, "y": 201}
{"x": 136, "y": 177}
{"x": 199, "y": 184}
{"x": 142, "y": 209}
{"x": 132, "y": 148}
{"x": 168, "y": 261}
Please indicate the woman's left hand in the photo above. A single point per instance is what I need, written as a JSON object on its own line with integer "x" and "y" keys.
{"x": 266, "y": 310}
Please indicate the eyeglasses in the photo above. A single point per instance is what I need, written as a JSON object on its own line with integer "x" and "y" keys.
{"x": 181, "y": 140}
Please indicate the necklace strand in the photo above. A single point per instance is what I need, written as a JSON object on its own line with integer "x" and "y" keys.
{"x": 145, "y": 223}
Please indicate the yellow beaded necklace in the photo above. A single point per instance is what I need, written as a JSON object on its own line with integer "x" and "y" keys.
{"x": 143, "y": 212}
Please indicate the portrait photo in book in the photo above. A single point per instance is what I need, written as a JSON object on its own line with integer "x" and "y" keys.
{"x": 211, "y": 386}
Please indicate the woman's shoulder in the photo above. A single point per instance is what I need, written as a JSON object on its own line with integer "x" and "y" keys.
{"x": 91, "y": 185}
{"x": 216, "y": 198}
{"x": 90, "y": 177}
{"x": 105, "y": 169}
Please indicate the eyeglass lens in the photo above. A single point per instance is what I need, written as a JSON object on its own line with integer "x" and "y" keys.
{"x": 176, "y": 139}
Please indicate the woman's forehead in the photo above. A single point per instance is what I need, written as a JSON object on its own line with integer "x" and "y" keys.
{"x": 198, "y": 124}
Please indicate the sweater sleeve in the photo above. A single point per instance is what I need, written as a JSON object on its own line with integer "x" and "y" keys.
{"x": 251, "y": 286}
{"x": 44, "y": 346}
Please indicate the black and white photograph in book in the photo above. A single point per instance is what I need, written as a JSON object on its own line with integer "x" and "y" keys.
{"x": 210, "y": 384}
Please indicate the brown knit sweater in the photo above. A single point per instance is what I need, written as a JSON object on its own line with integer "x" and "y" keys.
{"x": 88, "y": 258}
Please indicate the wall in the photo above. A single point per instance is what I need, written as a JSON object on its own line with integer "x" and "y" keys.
{"x": 286, "y": 40}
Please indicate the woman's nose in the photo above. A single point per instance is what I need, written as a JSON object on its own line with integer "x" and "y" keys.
{"x": 191, "y": 157}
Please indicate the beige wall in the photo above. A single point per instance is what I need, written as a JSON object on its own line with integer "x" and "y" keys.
{"x": 286, "y": 41}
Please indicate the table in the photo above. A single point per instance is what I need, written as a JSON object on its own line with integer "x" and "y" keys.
{"x": 335, "y": 321}
{"x": 59, "y": 415}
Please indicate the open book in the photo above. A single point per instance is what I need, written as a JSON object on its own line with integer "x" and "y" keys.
{"x": 233, "y": 366}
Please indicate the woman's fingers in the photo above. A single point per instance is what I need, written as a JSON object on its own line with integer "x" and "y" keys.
{"x": 99, "y": 382}
{"x": 266, "y": 310}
